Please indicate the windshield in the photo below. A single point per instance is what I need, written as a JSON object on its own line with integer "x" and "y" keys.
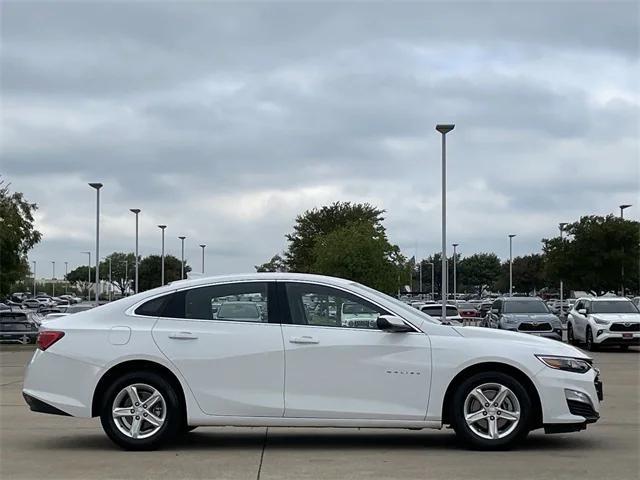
{"x": 613, "y": 306}
{"x": 525, "y": 306}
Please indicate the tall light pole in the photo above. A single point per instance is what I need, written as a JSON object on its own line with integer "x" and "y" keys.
{"x": 66, "y": 282}
{"x": 97, "y": 187}
{"x": 420, "y": 270}
{"x": 136, "y": 211}
{"x": 88, "y": 277}
{"x": 202, "y": 247}
{"x": 622, "y": 209}
{"x": 110, "y": 282}
{"x": 433, "y": 281}
{"x": 444, "y": 129}
{"x": 182, "y": 258}
{"x": 511, "y": 264}
{"x": 561, "y": 225}
{"x": 53, "y": 278}
{"x": 126, "y": 277}
{"x": 162, "y": 227}
{"x": 455, "y": 277}
{"x": 34, "y": 278}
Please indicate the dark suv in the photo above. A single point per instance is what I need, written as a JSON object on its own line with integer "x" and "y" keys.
{"x": 524, "y": 314}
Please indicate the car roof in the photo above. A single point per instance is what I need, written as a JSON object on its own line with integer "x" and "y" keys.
{"x": 526, "y": 299}
{"x": 605, "y": 299}
{"x": 258, "y": 277}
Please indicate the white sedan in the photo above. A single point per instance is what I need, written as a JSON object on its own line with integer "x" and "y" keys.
{"x": 160, "y": 363}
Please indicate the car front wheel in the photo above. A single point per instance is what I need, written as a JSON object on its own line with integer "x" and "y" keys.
{"x": 141, "y": 411}
{"x": 571, "y": 340}
{"x": 491, "y": 411}
{"x": 589, "y": 340}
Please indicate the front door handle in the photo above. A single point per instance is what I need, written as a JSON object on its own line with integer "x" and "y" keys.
{"x": 183, "y": 336}
{"x": 304, "y": 339}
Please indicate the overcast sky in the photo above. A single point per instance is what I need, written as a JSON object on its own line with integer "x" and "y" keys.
{"x": 224, "y": 121}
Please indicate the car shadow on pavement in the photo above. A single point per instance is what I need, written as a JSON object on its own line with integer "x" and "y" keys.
{"x": 209, "y": 439}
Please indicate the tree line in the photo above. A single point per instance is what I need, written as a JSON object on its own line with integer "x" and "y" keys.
{"x": 349, "y": 241}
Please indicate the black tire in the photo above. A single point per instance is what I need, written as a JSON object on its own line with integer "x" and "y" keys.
{"x": 571, "y": 339}
{"x": 589, "y": 341}
{"x": 468, "y": 436}
{"x": 174, "y": 415}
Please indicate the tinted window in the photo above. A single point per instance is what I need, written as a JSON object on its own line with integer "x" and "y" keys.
{"x": 311, "y": 304}
{"x": 238, "y": 302}
{"x": 525, "y": 306}
{"x": 436, "y": 311}
{"x": 152, "y": 308}
{"x": 613, "y": 307}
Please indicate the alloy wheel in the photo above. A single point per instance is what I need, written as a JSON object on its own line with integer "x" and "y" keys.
{"x": 492, "y": 411}
{"x": 139, "y": 411}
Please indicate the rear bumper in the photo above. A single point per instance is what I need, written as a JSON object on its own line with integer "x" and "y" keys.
{"x": 19, "y": 337}
{"x": 39, "y": 406}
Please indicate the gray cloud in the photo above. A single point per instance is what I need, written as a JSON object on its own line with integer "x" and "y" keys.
{"x": 224, "y": 121}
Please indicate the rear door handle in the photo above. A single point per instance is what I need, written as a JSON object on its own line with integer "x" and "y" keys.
{"x": 304, "y": 339}
{"x": 183, "y": 336}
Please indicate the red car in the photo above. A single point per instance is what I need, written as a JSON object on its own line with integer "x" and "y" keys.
{"x": 467, "y": 310}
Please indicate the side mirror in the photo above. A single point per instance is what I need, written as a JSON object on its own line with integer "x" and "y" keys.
{"x": 582, "y": 311}
{"x": 495, "y": 310}
{"x": 390, "y": 323}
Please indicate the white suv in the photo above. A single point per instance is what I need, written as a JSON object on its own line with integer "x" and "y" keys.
{"x": 604, "y": 321}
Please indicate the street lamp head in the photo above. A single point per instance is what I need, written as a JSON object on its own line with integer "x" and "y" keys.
{"x": 445, "y": 128}
{"x": 512, "y": 235}
{"x": 182, "y": 237}
{"x": 135, "y": 210}
{"x": 97, "y": 186}
{"x": 162, "y": 227}
{"x": 622, "y": 207}
{"x": 455, "y": 244}
{"x": 202, "y": 245}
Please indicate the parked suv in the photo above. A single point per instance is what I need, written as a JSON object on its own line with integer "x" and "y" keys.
{"x": 604, "y": 321}
{"x": 524, "y": 314}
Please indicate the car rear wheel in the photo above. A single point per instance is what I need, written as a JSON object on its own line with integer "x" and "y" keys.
{"x": 589, "y": 341}
{"x": 491, "y": 411}
{"x": 141, "y": 411}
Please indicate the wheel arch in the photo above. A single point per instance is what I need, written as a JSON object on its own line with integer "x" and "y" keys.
{"x": 510, "y": 370}
{"x": 130, "y": 366}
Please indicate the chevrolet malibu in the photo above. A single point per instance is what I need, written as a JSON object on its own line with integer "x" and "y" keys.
{"x": 160, "y": 363}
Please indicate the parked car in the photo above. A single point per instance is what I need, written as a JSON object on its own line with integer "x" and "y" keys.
{"x": 604, "y": 321}
{"x": 18, "y": 326}
{"x": 526, "y": 315}
{"x": 155, "y": 364}
{"x": 468, "y": 310}
{"x": 4, "y": 306}
{"x": 435, "y": 311}
{"x": 31, "y": 303}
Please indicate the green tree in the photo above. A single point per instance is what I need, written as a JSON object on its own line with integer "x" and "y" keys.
{"x": 80, "y": 279}
{"x": 276, "y": 264}
{"x": 17, "y": 236}
{"x": 149, "y": 271}
{"x": 316, "y": 223}
{"x": 359, "y": 252}
{"x": 528, "y": 274}
{"x": 593, "y": 253}
{"x": 122, "y": 270}
{"x": 478, "y": 272}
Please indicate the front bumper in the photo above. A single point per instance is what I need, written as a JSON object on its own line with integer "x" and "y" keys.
{"x": 605, "y": 337}
{"x": 557, "y": 412}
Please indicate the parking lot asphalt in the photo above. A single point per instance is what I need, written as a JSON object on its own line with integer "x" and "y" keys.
{"x": 38, "y": 446}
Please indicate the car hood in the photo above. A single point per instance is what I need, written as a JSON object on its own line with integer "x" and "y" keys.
{"x": 537, "y": 344}
{"x": 618, "y": 317}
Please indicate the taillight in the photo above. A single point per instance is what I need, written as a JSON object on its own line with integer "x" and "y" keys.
{"x": 47, "y": 338}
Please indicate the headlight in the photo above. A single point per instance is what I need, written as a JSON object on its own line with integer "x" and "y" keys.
{"x": 568, "y": 364}
{"x": 509, "y": 320}
{"x": 599, "y": 321}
